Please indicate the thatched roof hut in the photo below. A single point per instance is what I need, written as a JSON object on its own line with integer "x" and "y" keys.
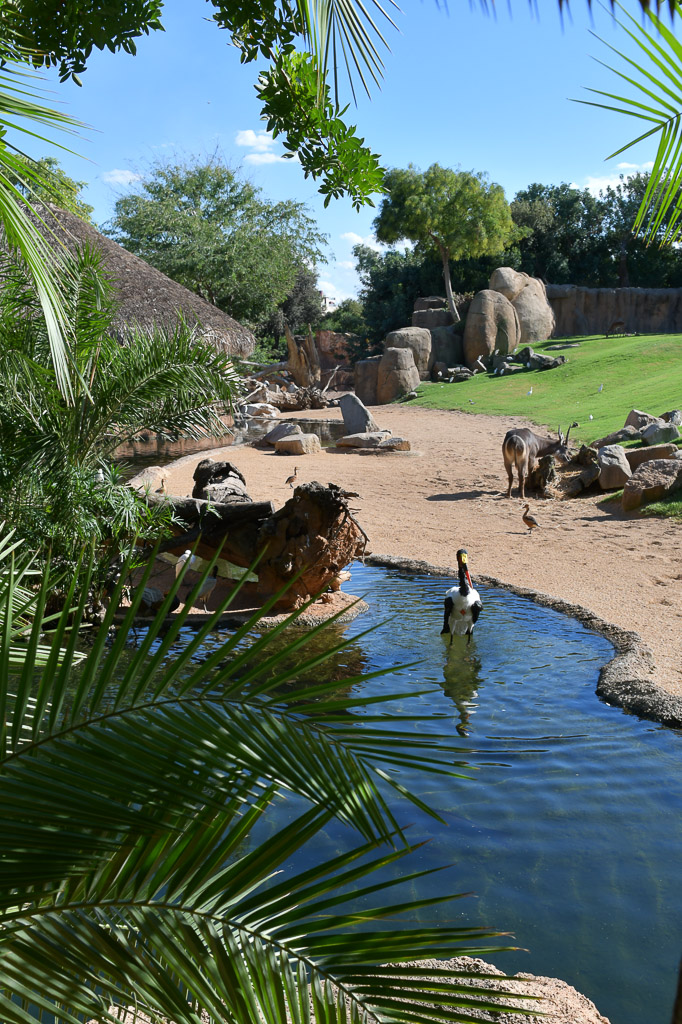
{"x": 146, "y": 297}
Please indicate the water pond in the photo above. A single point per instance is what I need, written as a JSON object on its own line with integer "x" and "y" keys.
{"x": 574, "y": 844}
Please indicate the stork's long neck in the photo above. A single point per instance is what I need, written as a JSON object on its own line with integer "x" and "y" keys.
{"x": 464, "y": 581}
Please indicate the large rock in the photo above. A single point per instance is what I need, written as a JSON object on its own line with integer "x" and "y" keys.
{"x": 301, "y": 444}
{"x": 356, "y": 417}
{"x": 219, "y": 481}
{"x": 366, "y": 439}
{"x": 397, "y": 375}
{"x": 638, "y": 419}
{"x": 529, "y": 298}
{"x": 261, "y": 410}
{"x": 430, "y": 302}
{"x": 674, "y": 416}
{"x": 492, "y": 323}
{"x": 624, "y": 434}
{"x": 614, "y": 468}
{"x": 652, "y": 481}
{"x": 430, "y": 318}
{"x": 418, "y": 339}
{"x": 508, "y": 282}
{"x": 447, "y": 346}
{"x": 659, "y": 433}
{"x": 536, "y": 318}
{"x": 555, "y": 1001}
{"x": 280, "y": 431}
{"x": 365, "y": 374}
{"x": 581, "y": 310}
{"x": 333, "y": 349}
{"x": 636, "y": 456}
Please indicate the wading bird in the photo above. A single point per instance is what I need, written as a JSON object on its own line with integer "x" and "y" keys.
{"x": 181, "y": 561}
{"x": 291, "y": 480}
{"x": 462, "y": 603}
{"x": 530, "y": 521}
{"x": 208, "y": 586}
{"x": 162, "y": 488}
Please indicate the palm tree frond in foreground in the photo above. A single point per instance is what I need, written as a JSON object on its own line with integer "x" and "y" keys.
{"x": 656, "y": 102}
{"x": 139, "y": 864}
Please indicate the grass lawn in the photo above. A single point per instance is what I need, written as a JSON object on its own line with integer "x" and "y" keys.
{"x": 637, "y": 373}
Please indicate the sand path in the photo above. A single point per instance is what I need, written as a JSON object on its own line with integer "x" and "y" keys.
{"x": 449, "y": 493}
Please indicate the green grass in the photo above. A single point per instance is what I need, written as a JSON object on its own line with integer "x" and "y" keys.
{"x": 641, "y": 373}
{"x": 670, "y": 506}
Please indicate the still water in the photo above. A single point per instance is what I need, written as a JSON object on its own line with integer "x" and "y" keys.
{"x": 574, "y": 844}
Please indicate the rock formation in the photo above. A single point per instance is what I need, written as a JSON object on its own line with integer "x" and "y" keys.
{"x": 397, "y": 375}
{"x": 529, "y": 298}
{"x": 580, "y": 310}
{"x": 418, "y": 340}
{"x": 492, "y": 323}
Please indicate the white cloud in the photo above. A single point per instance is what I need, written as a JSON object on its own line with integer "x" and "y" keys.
{"x": 268, "y": 158}
{"x": 261, "y": 146}
{"x": 355, "y": 239}
{"x": 333, "y": 291}
{"x": 597, "y": 183}
{"x": 117, "y": 176}
{"x": 345, "y": 264}
{"x": 262, "y": 142}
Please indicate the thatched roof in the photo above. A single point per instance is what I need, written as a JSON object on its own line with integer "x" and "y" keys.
{"x": 145, "y": 296}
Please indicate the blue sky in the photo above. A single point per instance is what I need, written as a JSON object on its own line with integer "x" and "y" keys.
{"x": 464, "y": 89}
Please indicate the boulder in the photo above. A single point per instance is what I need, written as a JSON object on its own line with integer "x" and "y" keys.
{"x": 446, "y": 345}
{"x": 299, "y": 444}
{"x": 332, "y": 348}
{"x": 538, "y": 361}
{"x": 261, "y": 410}
{"x": 587, "y": 456}
{"x": 492, "y": 323}
{"x": 395, "y": 444}
{"x": 639, "y": 419}
{"x": 536, "y": 318}
{"x": 674, "y": 416}
{"x": 652, "y": 481}
{"x": 636, "y": 456}
{"x": 418, "y": 339}
{"x": 365, "y": 379}
{"x": 614, "y": 469}
{"x": 212, "y": 479}
{"x": 397, "y": 375}
{"x": 430, "y": 302}
{"x": 356, "y": 417}
{"x": 508, "y": 282}
{"x": 659, "y": 433}
{"x": 430, "y": 318}
{"x": 280, "y": 431}
{"x": 366, "y": 439}
{"x": 624, "y": 434}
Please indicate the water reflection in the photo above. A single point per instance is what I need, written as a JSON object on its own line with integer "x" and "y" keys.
{"x": 461, "y": 680}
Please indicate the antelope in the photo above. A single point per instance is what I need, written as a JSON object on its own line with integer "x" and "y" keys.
{"x": 617, "y": 327}
{"x": 522, "y": 448}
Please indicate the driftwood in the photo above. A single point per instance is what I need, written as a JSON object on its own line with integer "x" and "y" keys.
{"x": 304, "y": 361}
{"x": 315, "y": 534}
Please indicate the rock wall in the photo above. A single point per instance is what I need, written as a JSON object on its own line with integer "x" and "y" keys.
{"x": 580, "y": 310}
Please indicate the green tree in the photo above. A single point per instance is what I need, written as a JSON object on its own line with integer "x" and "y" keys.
{"x": 454, "y": 214}
{"x": 347, "y": 318}
{"x": 211, "y": 230}
{"x": 301, "y": 309}
{"x": 390, "y": 282}
{"x": 563, "y": 238}
{"x": 51, "y": 184}
{"x": 634, "y": 261}
{"x": 51, "y": 451}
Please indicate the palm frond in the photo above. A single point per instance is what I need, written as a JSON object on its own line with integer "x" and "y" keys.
{"x": 656, "y": 100}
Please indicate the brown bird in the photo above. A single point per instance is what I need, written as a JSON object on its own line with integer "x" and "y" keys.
{"x": 291, "y": 480}
{"x": 162, "y": 488}
{"x": 530, "y": 521}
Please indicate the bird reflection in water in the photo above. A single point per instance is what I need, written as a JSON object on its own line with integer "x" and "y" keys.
{"x": 461, "y": 679}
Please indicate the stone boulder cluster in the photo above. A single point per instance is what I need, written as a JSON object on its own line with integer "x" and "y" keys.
{"x": 362, "y": 431}
{"x": 646, "y": 473}
{"x": 512, "y": 312}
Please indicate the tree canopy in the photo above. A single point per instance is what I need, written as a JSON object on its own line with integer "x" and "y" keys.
{"x": 212, "y": 231}
{"x": 51, "y": 185}
{"x": 453, "y": 214}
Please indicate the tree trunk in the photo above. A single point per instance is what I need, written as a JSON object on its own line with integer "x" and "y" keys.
{"x": 303, "y": 362}
{"x": 448, "y": 286}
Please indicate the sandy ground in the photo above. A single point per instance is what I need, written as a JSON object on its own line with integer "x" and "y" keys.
{"x": 449, "y": 493}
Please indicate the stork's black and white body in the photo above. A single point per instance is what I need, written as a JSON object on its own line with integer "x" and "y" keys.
{"x": 462, "y": 603}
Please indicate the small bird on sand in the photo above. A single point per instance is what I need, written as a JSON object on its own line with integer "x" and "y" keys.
{"x": 162, "y": 488}
{"x": 530, "y": 521}
{"x": 291, "y": 480}
{"x": 208, "y": 586}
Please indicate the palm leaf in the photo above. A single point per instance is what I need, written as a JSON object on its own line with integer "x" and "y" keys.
{"x": 657, "y": 100}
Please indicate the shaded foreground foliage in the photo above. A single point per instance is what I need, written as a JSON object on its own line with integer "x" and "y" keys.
{"x": 137, "y": 867}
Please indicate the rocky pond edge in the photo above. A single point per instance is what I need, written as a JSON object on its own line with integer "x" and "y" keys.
{"x": 625, "y": 681}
